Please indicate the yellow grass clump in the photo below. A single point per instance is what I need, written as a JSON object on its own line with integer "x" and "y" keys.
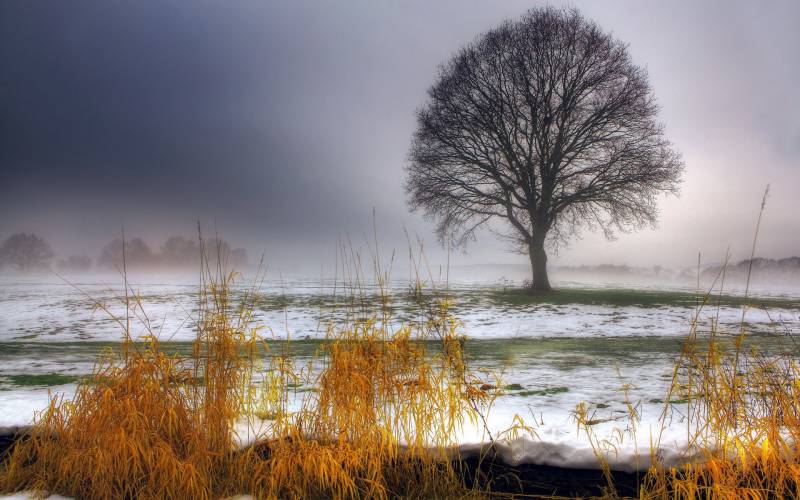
{"x": 379, "y": 421}
{"x": 743, "y": 423}
{"x": 146, "y": 425}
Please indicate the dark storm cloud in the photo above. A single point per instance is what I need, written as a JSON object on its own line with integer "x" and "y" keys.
{"x": 145, "y": 104}
{"x": 286, "y": 122}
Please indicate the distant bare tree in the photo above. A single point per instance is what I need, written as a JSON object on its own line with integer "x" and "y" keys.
{"x": 220, "y": 250}
{"x": 546, "y": 124}
{"x": 180, "y": 251}
{"x": 137, "y": 254}
{"x": 26, "y": 252}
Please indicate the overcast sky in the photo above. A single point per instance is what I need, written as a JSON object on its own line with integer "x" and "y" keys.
{"x": 287, "y": 122}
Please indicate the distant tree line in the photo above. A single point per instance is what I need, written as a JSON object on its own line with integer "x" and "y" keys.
{"x": 787, "y": 269}
{"x": 176, "y": 251}
{"x": 612, "y": 269}
{"x": 26, "y": 252}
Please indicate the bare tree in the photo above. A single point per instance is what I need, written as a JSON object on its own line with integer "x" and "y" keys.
{"x": 180, "y": 251}
{"x": 136, "y": 252}
{"x": 546, "y": 124}
{"x": 26, "y": 252}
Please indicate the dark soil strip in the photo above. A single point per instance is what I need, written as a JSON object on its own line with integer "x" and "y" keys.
{"x": 529, "y": 479}
{"x": 495, "y": 476}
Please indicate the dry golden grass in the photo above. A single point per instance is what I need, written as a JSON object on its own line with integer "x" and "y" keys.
{"x": 743, "y": 423}
{"x": 146, "y": 425}
{"x": 380, "y": 422}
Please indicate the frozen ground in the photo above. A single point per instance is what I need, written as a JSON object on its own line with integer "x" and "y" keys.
{"x": 49, "y": 310}
{"x": 582, "y": 347}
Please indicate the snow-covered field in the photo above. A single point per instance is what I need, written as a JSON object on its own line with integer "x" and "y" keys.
{"x": 551, "y": 356}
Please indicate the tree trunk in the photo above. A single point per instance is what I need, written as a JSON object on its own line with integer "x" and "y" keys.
{"x": 539, "y": 265}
